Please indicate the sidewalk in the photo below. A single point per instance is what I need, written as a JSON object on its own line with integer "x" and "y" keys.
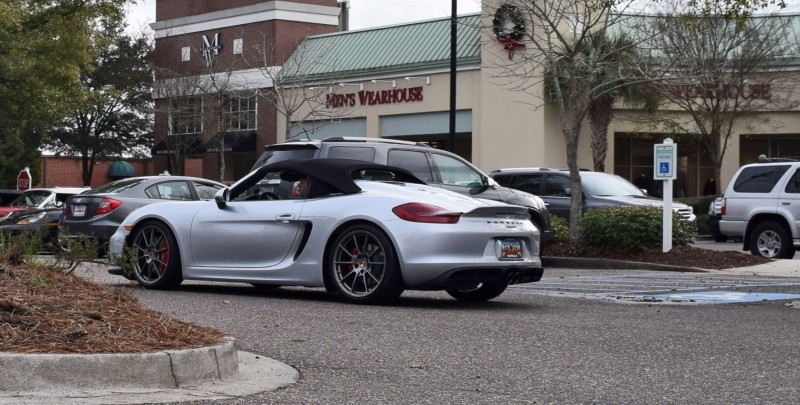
{"x": 211, "y": 373}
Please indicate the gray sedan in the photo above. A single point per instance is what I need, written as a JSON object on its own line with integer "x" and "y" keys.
{"x": 97, "y": 213}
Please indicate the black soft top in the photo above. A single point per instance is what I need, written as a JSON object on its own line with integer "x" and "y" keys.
{"x": 329, "y": 176}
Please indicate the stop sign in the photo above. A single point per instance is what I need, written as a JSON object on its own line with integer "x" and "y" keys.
{"x": 24, "y": 179}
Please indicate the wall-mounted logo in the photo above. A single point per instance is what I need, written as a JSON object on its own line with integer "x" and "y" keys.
{"x": 211, "y": 49}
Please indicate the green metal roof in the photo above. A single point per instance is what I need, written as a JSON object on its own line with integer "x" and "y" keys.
{"x": 423, "y": 44}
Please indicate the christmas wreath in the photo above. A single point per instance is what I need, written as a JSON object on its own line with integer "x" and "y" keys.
{"x": 509, "y": 27}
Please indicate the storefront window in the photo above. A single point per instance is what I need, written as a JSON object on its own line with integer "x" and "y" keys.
{"x": 752, "y": 146}
{"x": 633, "y": 160}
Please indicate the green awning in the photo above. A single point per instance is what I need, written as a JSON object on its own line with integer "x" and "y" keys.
{"x": 121, "y": 168}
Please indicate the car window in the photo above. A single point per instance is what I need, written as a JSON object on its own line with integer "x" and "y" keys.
{"x": 170, "y": 190}
{"x": 606, "y": 184}
{"x": 271, "y": 185}
{"x": 280, "y": 154}
{"x": 455, "y": 172}
{"x": 793, "y": 186}
{"x": 206, "y": 191}
{"x": 415, "y": 162}
{"x": 31, "y": 198}
{"x": 530, "y": 183}
{"x": 352, "y": 152}
{"x": 116, "y": 187}
{"x": 759, "y": 179}
{"x": 557, "y": 186}
{"x": 504, "y": 179}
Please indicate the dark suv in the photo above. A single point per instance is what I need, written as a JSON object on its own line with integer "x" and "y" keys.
{"x": 599, "y": 190}
{"x": 434, "y": 166}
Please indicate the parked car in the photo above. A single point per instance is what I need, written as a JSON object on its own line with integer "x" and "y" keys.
{"x": 599, "y": 190}
{"x": 762, "y": 207}
{"x": 435, "y": 167}
{"x": 97, "y": 213}
{"x": 8, "y": 195}
{"x": 35, "y": 220}
{"x": 40, "y": 198}
{"x": 714, "y": 215}
{"x": 357, "y": 233}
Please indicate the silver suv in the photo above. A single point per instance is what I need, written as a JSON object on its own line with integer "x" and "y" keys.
{"x": 762, "y": 206}
{"x": 436, "y": 167}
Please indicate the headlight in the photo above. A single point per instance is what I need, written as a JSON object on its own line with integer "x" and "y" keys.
{"x": 32, "y": 219}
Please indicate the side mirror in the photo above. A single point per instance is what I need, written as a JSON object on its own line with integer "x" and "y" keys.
{"x": 222, "y": 197}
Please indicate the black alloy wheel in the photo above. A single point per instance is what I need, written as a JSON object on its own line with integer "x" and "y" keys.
{"x": 157, "y": 260}
{"x": 363, "y": 266}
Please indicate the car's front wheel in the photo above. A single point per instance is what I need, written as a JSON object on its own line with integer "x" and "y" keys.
{"x": 771, "y": 240}
{"x": 363, "y": 266}
{"x": 157, "y": 263}
{"x": 481, "y": 292}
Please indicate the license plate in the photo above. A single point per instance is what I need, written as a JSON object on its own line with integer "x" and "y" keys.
{"x": 78, "y": 210}
{"x": 510, "y": 249}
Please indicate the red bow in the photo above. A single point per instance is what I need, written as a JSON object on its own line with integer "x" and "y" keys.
{"x": 509, "y": 44}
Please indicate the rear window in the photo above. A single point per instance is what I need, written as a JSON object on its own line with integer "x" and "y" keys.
{"x": 759, "y": 179}
{"x": 282, "y": 153}
{"x": 350, "y": 152}
{"x": 116, "y": 186}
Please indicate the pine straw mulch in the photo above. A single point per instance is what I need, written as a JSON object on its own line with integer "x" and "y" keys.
{"x": 45, "y": 310}
{"x": 681, "y": 255}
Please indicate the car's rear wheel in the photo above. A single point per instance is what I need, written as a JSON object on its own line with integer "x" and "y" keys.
{"x": 363, "y": 266}
{"x": 155, "y": 252}
{"x": 771, "y": 240}
{"x": 481, "y": 292}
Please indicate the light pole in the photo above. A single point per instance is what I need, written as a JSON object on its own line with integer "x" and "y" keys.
{"x": 451, "y": 142}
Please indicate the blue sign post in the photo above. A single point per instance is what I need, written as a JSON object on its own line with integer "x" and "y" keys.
{"x": 664, "y": 169}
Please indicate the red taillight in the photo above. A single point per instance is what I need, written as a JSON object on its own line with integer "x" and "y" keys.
{"x": 107, "y": 205}
{"x": 722, "y": 207}
{"x": 418, "y": 212}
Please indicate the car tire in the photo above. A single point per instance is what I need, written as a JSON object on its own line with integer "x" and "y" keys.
{"x": 482, "y": 292}
{"x": 157, "y": 262}
{"x": 720, "y": 238}
{"x": 771, "y": 240}
{"x": 362, "y": 266}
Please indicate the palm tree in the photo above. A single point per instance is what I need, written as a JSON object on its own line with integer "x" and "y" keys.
{"x": 611, "y": 83}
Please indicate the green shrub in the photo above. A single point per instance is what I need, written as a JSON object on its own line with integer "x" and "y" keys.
{"x": 559, "y": 230}
{"x": 630, "y": 229}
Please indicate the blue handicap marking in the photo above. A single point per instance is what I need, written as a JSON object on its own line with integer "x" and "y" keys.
{"x": 663, "y": 167}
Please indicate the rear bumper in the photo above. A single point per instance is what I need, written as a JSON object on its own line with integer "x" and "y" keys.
{"x": 468, "y": 277}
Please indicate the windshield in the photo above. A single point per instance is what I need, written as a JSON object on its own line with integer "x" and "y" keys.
{"x": 609, "y": 185}
{"x": 30, "y": 199}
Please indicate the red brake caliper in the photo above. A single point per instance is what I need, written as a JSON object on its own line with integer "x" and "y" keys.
{"x": 164, "y": 257}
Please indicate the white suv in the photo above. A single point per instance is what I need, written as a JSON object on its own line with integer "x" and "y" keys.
{"x": 762, "y": 207}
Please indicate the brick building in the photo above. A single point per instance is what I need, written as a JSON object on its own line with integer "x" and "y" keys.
{"x": 60, "y": 171}
{"x": 214, "y": 64}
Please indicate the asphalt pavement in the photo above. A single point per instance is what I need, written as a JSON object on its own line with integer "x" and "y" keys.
{"x": 218, "y": 372}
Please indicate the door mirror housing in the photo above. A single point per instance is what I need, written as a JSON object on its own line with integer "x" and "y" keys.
{"x": 222, "y": 197}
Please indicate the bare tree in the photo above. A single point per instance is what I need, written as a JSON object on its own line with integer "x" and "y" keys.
{"x": 562, "y": 43}
{"x": 297, "y": 94}
{"x": 724, "y": 73}
{"x": 181, "y": 102}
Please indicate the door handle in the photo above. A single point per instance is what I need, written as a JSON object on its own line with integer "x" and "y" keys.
{"x": 285, "y": 218}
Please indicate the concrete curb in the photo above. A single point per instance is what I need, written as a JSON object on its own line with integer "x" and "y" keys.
{"x": 609, "y": 264}
{"x": 215, "y": 372}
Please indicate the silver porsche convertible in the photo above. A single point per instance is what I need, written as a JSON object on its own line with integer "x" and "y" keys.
{"x": 363, "y": 230}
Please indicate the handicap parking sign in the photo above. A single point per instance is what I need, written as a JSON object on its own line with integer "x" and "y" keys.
{"x": 664, "y": 160}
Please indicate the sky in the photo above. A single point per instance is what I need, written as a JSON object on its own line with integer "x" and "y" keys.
{"x": 363, "y": 13}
